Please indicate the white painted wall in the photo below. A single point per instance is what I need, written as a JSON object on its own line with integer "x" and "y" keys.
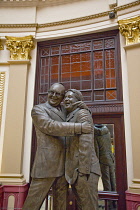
{"x": 17, "y": 15}
{"x": 71, "y": 10}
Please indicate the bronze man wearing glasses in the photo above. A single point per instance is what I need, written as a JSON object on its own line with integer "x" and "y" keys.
{"x": 48, "y": 168}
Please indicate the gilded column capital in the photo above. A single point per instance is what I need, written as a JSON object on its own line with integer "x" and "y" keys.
{"x": 130, "y": 29}
{"x": 1, "y": 46}
{"x": 20, "y": 47}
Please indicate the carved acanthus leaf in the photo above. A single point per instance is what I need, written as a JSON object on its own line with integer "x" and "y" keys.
{"x": 20, "y": 47}
{"x": 1, "y": 45}
{"x": 130, "y": 29}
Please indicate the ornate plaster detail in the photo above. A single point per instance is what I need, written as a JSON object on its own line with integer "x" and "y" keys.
{"x": 130, "y": 29}
{"x": 46, "y": 2}
{"x": 2, "y": 82}
{"x": 75, "y": 20}
{"x": 106, "y": 108}
{"x": 20, "y": 47}
{"x": 126, "y": 6}
{"x": 1, "y": 45}
{"x": 18, "y": 25}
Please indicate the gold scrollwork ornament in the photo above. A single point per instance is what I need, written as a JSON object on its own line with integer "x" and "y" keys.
{"x": 20, "y": 47}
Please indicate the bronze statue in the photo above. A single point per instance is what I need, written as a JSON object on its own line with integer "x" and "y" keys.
{"x": 49, "y": 164}
{"x": 82, "y": 168}
{"x": 106, "y": 157}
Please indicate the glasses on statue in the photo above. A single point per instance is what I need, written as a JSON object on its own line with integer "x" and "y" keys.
{"x": 50, "y": 92}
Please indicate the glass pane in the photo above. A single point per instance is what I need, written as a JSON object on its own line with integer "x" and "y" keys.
{"x": 54, "y": 78}
{"x": 99, "y": 83}
{"x": 109, "y": 59}
{"x": 45, "y": 51}
{"x": 85, "y": 66}
{"x": 86, "y": 85}
{"x": 54, "y": 69}
{"x": 75, "y": 76}
{"x": 65, "y": 68}
{"x": 99, "y": 96}
{"x": 85, "y": 46}
{"x": 75, "y": 85}
{"x": 75, "y": 67}
{"x": 65, "y": 49}
{"x": 105, "y": 150}
{"x": 66, "y": 85}
{"x": 86, "y": 75}
{"x": 98, "y": 74}
{"x": 87, "y": 96}
{"x": 98, "y": 44}
{"x": 54, "y": 60}
{"x": 98, "y": 55}
{"x": 98, "y": 64}
{"x": 65, "y": 59}
{"x": 65, "y": 77}
{"x": 85, "y": 56}
{"x": 42, "y": 99}
{"x": 109, "y": 43}
{"x": 111, "y": 94}
{"x": 75, "y": 58}
{"x": 55, "y": 50}
{"x": 75, "y": 48}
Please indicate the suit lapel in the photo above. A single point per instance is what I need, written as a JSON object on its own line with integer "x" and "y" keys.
{"x": 71, "y": 115}
{"x": 61, "y": 113}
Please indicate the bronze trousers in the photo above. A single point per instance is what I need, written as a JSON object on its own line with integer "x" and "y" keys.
{"x": 108, "y": 177}
{"x": 39, "y": 189}
{"x": 85, "y": 190}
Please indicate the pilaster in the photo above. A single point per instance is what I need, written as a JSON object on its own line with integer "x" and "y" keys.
{"x": 130, "y": 29}
{"x": 12, "y": 154}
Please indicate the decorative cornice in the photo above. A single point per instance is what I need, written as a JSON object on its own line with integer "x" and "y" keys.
{"x": 2, "y": 82}
{"x": 126, "y": 6}
{"x": 20, "y": 47}
{"x": 57, "y": 23}
{"x": 130, "y": 29}
{"x": 75, "y": 20}
{"x": 32, "y": 25}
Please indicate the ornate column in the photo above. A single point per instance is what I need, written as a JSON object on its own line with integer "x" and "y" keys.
{"x": 130, "y": 29}
{"x": 14, "y": 187}
{"x": 11, "y": 161}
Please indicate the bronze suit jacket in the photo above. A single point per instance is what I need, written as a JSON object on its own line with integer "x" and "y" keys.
{"x": 103, "y": 145}
{"x": 80, "y": 153}
{"x": 50, "y": 155}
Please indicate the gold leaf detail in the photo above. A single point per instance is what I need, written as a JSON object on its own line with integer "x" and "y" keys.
{"x": 20, "y": 47}
{"x": 130, "y": 29}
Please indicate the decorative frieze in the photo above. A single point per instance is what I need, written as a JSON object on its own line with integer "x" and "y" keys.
{"x": 130, "y": 29}
{"x": 107, "y": 108}
{"x": 2, "y": 82}
{"x": 20, "y": 47}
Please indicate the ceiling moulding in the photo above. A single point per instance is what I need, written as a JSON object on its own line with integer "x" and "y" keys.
{"x": 35, "y": 2}
{"x": 27, "y": 27}
{"x": 6, "y": 28}
{"x": 43, "y": 3}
